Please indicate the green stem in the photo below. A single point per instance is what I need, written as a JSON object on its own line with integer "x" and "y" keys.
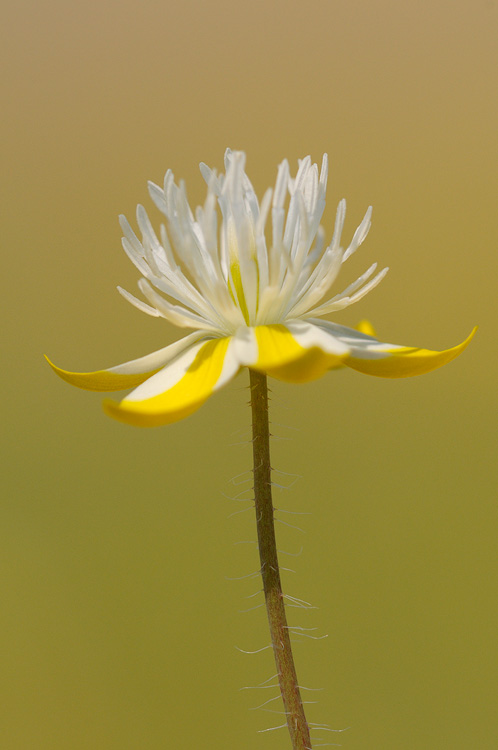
{"x": 274, "y": 598}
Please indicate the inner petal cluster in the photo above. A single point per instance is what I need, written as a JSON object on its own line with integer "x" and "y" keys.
{"x": 218, "y": 276}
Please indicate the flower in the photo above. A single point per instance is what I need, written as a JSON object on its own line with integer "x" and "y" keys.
{"x": 253, "y": 298}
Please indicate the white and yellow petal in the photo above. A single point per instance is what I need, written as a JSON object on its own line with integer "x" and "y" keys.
{"x": 130, "y": 374}
{"x": 253, "y": 295}
{"x": 373, "y": 357}
{"x": 295, "y": 352}
{"x": 180, "y": 388}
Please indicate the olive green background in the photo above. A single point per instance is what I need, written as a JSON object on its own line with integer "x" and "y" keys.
{"x": 118, "y": 624}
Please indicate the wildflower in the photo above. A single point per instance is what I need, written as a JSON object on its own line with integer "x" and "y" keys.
{"x": 253, "y": 298}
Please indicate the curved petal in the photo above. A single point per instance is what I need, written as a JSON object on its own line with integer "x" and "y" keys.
{"x": 180, "y": 388}
{"x": 373, "y": 357}
{"x": 130, "y": 374}
{"x": 296, "y": 352}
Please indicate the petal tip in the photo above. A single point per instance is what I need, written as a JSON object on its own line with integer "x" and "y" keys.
{"x": 458, "y": 349}
{"x": 136, "y": 416}
{"x": 100, "y": 380}
{"x": 364, "y": 326}
{"x": 64, "y": 374}
{"x": 115, "y": 410}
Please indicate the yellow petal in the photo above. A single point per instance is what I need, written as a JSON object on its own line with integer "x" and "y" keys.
{"x": 101, "y": 380}
{"x": 179, "y": 389}
{"x": 281, "y": 356}
{"x": 403, "y": 362}
{"x": 364, "y": 326}
{"x": 130, "y": 374}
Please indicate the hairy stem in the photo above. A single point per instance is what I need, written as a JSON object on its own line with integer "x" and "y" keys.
{"x": 275, "y": 607}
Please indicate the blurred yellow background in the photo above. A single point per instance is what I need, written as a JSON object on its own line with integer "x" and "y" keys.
{"x": 118, "y": 626}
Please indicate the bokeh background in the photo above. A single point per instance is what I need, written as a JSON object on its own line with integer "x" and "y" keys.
{"x": 118, "y": 625}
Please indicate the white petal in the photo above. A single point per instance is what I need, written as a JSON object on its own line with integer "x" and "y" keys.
{"x": 360, "y": 345}
{"x": 176, "y": 314}
{"x": 161, "y": 357}
{"x": 360, "y": 234}
{"x": 309, "y": 336}
{"x": 142, "y": 306}
{"x": 246, "y": 346}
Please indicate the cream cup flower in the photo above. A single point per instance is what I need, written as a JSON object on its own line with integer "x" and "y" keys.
{"x": 253, "y": 296}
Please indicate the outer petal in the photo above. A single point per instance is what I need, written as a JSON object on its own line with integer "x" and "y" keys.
{"x": 130, "y": 374}
{"x": 296, "y": 352}
{"x": 373, "y": 357}
{"x": 181, "y": 387}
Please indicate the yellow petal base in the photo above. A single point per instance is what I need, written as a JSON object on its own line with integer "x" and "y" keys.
{"x": 281, "y": 357}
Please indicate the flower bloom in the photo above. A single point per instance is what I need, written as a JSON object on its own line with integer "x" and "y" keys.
{"x": 253, "y": 297}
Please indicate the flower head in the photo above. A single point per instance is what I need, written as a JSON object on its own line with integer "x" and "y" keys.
{"x": 253, "y": 296}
